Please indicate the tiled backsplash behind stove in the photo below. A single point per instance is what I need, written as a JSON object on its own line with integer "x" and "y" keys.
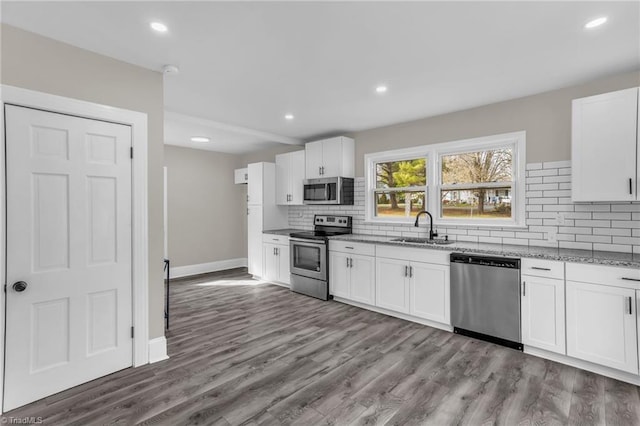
{"x": 589, "y": 226}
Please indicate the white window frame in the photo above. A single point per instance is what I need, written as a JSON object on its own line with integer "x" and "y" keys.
{"x": 432, "y": 154}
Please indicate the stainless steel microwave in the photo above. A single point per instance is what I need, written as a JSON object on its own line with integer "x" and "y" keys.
{"x": 335, "y": 190}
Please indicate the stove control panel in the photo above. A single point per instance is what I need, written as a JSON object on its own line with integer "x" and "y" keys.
{"x": 330, "y": 220}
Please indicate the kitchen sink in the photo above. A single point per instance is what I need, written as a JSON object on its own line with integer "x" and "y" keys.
{"x": 435, "y": 241}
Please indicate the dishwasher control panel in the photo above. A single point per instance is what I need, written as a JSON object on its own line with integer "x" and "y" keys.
{"x": 494, "y": 262}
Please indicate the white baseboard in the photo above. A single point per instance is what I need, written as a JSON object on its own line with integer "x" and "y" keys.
{"x": 584, "y": 365}
{"x": 203, "y": 268}
{"x": 158, "y": 349}
{"x": 434, "y": 324}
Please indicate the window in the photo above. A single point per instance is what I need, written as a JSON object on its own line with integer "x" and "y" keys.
{"x": 472, "y": 182}
{"x": 400, "y": 188}
{"x": 477, "y": 184}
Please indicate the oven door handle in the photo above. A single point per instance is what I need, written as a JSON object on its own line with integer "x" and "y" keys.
{"x": 307, "y": 242}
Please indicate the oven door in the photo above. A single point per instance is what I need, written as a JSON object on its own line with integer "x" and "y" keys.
{"x": 309, "y": 258}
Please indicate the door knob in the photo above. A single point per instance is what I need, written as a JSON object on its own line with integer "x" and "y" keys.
{"x": 20, "y": 286}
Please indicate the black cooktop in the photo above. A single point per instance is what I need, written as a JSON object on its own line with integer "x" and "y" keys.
{"x": 317, "y": 235}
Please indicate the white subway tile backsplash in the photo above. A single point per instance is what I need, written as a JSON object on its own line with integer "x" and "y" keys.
{"x": 545, "y": 172}
{"x": 590, "y": 226}
{"x": 556, "y": 164}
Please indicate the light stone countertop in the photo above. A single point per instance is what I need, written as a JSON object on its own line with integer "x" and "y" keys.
{"x": 566, "y": 255}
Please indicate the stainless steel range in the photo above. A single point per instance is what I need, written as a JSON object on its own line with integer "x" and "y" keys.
{"x": 309, "y": 255}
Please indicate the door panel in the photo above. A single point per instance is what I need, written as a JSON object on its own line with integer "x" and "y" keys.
{"x": 270, "y": 262}
{"x": 283, "y": 165}
{"x": 313, "y": 159}
{"x": 332, "y": 157}
{"x": 284, "y": 272}
{"x": 430, "y": 292}
{"x": 392, "y": 286}
{"x": 69, "y": 239}
{"x": 601, "y": 325}
{"x": 543, "y": 313}
{"x": 363, "y": 288}
{"x": 339, "y": 274}
{"x": 296, "y": 176}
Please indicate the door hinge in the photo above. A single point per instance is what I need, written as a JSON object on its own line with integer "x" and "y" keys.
{"x": 132, "y": 332}
{"x": 131, "y": 152}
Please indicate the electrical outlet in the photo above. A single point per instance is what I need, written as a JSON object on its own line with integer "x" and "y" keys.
{"x": 560, "y": 218}
{"x": 552, "y": 236}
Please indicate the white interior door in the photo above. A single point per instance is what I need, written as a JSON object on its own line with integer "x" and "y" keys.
{"x": 69, "y": 242}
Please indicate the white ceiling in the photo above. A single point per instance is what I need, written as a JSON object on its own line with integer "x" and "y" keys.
{"x": 243, "y": 65}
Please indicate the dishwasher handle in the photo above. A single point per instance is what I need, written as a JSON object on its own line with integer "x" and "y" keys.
{"x": 491, "y": 261}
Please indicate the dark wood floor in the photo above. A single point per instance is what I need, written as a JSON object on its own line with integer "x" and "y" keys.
{"x": 261, "y": 355}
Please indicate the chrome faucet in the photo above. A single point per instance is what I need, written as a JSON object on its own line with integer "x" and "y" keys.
{"x": 432, "y": 234}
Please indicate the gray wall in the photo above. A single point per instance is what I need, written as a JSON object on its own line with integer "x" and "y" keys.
{"x": 38, "y": 63}
{"x": 546, "y": 117}
{"x": 206, "y": 210}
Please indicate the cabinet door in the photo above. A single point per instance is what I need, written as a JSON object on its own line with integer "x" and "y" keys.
{"x": 604, "y": 140}
{"x": 254, "y": 190}
{"x": 392, "y": 284}
{"x": 284, "y": 274}
{"x": 254, "y": 240}
{"x": 282, "y": 179}
{"x": 429, "y": 292}
{"x": 601, "y": 325}
{"x": 543, "y": 313}
{"x": 296, "y": 176}
{"x": 339, "y": 274}
{"x": 270, "y": 262}
{"x": 240, "y": 176}
{"x": 313, "y": 159}
{"x": 332, "y": 157}
{"x": 363, "y": 283}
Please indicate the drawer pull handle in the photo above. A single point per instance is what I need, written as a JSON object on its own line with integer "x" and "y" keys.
{"x": 537, "y": 268}
{"x": 524, "y": 288}
{"x": 630, "y": 279}
{"x": 630, "y": 305}
{"x": 347, "y": 247}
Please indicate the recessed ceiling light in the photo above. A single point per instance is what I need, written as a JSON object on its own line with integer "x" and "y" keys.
{"x": 200, "y": 139}
{"x": 159, "y": 27}
{"x": 381, "y": 89}
{"x": 289, "y": 116}
{"x": 596, "y": 22}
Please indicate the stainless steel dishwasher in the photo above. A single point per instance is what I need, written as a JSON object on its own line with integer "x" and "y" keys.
{"x": 485, "y": 298}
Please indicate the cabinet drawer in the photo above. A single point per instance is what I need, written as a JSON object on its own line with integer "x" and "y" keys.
{"x": 606, "y": 275}
{"x": 439, "y": 257}
{"x": 275, "y": 239}
{"x": 543, "y": 268}
{"x": 351, "y": 247}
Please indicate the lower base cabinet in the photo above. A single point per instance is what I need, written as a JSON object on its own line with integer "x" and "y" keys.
{"x": 415, "y": 288}
{"x": 352, "y": 276}
{"x": 543, "y": 323}
{"x": 276, "y": 263}
{"x": 601, "y": 325}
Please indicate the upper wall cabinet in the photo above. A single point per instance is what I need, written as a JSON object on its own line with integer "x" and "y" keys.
{"x": 289, "y": 178}
{"x": 604, "y": 147}
{"x": 330, "y": 158}
{"x": 241, "y": 175}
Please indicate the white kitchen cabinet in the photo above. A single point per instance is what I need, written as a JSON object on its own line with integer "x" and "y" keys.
{"x": 601, "y": 325}
{"x": 330, "y": 158}
{"x": 543, "y": 319}
{"x": 429, "y": 292}
{"x": 289, "y": 178}
{"x": 414, "y": 281}
{"x": 254, "y": 239}
{"x": 604, "y": 147}
{"x": 241, "y": 176}
{"x": 352, "y": 271}
{"x": 262, "y": 212}
{"x": 339, "y": 274}
{"x": 276, "y": 263}
{"x": 392, "y": 284}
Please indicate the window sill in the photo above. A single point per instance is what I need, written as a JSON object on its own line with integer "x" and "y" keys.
{"x": 447, "y": 224}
